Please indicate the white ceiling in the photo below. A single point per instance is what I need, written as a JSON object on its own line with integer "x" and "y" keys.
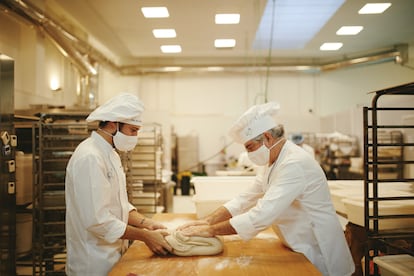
{"x": 120, "y": 27}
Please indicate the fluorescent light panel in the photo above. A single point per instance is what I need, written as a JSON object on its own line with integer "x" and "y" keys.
{"x": 164, "y": 33}
{"x": 227, "y": 18}
{"x": 168, "y": 49}
{"x": 374, "y": 8}
{"x": 155, "y": 12}
{"x": 172, "y": 69}
{"x": 224, "y": 43}
{"x": 349, "y": 30}
{"x": 296, "y": 22}
{"x": 215, "y": 69}
{"x": 331, "y": 46}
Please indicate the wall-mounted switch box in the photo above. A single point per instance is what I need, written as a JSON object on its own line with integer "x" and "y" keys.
{"x": 11, "y": 188}
{"x": 13, "y": 140}
{"x": 6, "y": 150}
{"x": 5, "y": 137}
{"x": 11, "y": 165}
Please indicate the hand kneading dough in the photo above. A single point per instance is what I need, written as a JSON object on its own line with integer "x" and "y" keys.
{"x": 193, "y": 246}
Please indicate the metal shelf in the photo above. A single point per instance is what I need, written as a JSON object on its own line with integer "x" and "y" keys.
{"x": 53, "y": 142}
{"x": 383, "y": 152}
{"x": 143, "y": 167}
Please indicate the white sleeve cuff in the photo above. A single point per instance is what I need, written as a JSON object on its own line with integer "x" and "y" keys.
{"x": 243, "y": 226}
{"x": 131, "y": 207}
{"x": 117, "y": 231}
{"x": 233, "y": 206}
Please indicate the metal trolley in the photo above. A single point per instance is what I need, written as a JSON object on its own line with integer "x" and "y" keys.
{"x": 383, "y": 240}
{"x": 54, "y": 139}
{"x": 143, "y": 167}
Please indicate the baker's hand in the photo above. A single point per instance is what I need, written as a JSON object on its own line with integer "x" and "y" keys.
{"x": 192, "y": 223}
{"x": 152, "y": 225}
{"x": 156, "y": 242}
{"x": 204, "y": 230}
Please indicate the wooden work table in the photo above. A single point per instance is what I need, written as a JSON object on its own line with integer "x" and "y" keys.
{"x": 263, "y": 255}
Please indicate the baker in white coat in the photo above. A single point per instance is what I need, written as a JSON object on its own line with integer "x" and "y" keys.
{"x": 299, "y": 140}
{"x": 291, "y": 195}
{"x": 99, "y": 218}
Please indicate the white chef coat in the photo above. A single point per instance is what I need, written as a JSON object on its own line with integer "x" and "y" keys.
{"x": 97, "y": 208}
{"x": 293, "y": 196}
{"x": 308, "y": 149}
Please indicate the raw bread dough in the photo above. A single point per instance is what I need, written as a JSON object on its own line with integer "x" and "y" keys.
{"x": 193, "y": 246}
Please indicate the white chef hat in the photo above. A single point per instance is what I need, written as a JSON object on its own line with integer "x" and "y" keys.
{"x": 255, "y": 121}
{"x": 125, "y": 108}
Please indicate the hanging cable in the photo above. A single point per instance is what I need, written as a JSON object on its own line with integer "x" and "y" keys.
{"x": 270, "y": 51}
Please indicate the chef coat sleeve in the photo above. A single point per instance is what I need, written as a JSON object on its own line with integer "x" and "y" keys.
{"x": 131, "y": 207}
{"x": 286, "y": 184}
{"x": 246, "y": 199}
{"x": 93, "y": 192}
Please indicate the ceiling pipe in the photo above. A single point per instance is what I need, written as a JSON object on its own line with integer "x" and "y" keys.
{"x": 398, "y": 55}
{"x": 395, "y": 55}
{"x": 53, "y": 31}
{"x": 81, "y": 52}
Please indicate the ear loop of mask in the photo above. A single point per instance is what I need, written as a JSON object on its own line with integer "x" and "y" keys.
{"x": 108, "y": 133}
{"x": 275, "y": 144}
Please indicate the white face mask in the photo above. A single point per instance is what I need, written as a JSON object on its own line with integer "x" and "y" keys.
{"x": 261, "y": 156}
{"x": 124, "y": 142}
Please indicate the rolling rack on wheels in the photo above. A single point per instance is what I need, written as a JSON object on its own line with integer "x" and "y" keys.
{"x": 55, "y": 137}
{"x": 143, "y": 167}
{"x": 389, "y": 217}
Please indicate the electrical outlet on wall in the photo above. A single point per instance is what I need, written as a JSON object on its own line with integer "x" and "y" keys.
{"x": 5, "y": 137}
{"x": 11, "y": 188}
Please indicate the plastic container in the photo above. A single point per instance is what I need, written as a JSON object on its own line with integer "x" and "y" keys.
{"x": 212, "y": 192}
{"x": 24, "y": 178}
{"x": 355, "y": 213}
{"x": 220, "y": 187}
{"x": 206, "y": 206}
{"x": 395, "y": 265}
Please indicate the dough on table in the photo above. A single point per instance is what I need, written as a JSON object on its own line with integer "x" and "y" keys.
{"x": 193, "y": 246}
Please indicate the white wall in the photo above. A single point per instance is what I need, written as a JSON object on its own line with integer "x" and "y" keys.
{"x": 208, "y": 104}
{"x": 339, "y": 90}
{"x": 36, "y": 62}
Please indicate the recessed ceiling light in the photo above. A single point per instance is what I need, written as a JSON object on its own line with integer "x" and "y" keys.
{"x": 164, "y": 33}
{"x": 172, "y": 68}
{"x": 374, "y": 8}
{"x": 155, "y": 12}
{"x": 171, "y": 48}
{"x": 349, "y": 30}
{"x": 4, "y": 57}
{"x": 215, "y": 68}
{"x": 331, "y": 46}
{"x": 224, "y": 43}
{"x": 227, "y": 18}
